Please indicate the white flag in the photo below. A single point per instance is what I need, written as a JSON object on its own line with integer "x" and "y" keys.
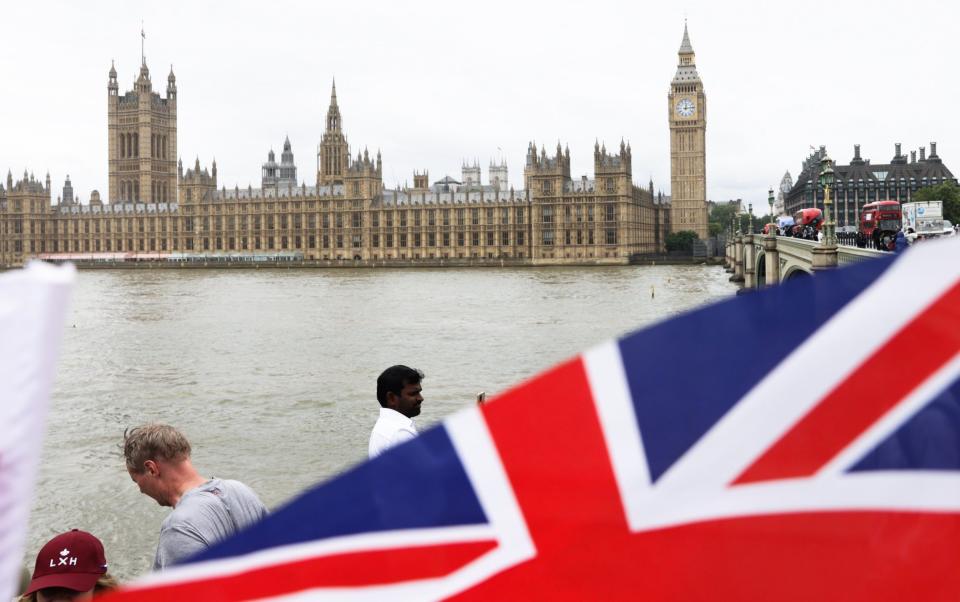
{"x": 33, "y": 305}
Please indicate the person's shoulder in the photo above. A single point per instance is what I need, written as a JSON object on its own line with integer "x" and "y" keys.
{"x": 242, "y": 491}
{"x": 184, "y": 514}
{"x": 236, "y": 486}
{"x": 404, "y": 433}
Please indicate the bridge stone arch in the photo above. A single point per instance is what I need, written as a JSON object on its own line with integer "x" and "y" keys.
{"x": 796, "y": 271}
{"x": 757, "y": 260}
{"x": 761, "y": 271}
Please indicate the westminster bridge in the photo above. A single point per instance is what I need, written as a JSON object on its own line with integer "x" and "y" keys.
{"x": 760, "y": 259}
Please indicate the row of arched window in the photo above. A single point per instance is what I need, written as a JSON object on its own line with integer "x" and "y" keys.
{"x": 130, "y": 146}
{"x": 130, "y": 191}
{"x": 160, "y": 192}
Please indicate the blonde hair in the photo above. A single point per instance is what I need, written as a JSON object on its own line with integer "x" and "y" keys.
{"x": 153, "y": 441}
{"x": 106, "y": 583}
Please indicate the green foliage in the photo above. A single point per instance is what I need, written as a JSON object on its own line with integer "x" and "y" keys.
{"x": 722, "y": 214}
{"x": 759, "y": 221}
{"x": 948, "y": 192}
{"x": 681, "y": 241}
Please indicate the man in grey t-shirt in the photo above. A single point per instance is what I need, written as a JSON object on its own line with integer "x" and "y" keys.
{"x": 204, "y": 510}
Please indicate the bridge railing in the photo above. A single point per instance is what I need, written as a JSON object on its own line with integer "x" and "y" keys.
{"x": 849, "y": 239}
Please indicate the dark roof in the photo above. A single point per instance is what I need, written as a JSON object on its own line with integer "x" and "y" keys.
{"x": 862, "y": 170}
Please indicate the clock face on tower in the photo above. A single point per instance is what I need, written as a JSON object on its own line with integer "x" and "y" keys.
{"x": 685, "y": 107}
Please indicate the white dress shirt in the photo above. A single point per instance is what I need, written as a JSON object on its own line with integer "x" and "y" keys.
{"x": 391, "y": 428}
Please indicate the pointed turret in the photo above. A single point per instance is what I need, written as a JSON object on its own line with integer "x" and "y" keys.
{"x": 333, "y": 156}
{"x": 685, "y": 46}
{"x": 171, "y": 84}
{"x": 333, "y": 113}
{"x": 687, "y": 64}
{"x": 112, "y": 86}
{"x": 67, "y": 192}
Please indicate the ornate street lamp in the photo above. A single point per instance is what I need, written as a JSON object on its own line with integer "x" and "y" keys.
{"x": 770, "y": 200}
{"x": 826, "y": 180}
{"x": 750, "y": 208}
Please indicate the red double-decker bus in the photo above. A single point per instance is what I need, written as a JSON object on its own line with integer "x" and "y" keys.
{"x": 879, "y": 222}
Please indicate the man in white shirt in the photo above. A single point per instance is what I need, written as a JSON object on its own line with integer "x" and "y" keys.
{"x": 398, "y": 391}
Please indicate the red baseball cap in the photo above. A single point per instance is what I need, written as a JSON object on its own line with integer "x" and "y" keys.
{"x": 72, "y": 560}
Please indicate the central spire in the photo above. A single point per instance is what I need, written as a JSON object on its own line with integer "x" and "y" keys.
{"x": 685, "y": 46}
{"x": 687, "y": 63}
{"x": 333, "y": 113}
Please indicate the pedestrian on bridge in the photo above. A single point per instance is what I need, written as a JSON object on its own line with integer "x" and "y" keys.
{"x": 900, "y": 242}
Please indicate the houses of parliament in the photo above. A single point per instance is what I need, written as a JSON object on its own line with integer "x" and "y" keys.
{"x": 155, "y": 209}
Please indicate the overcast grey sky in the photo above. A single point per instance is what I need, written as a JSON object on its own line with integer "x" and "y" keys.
{"x": 433, "y": 83}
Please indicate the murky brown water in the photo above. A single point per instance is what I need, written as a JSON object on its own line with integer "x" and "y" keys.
{"x": 271, "y": 374}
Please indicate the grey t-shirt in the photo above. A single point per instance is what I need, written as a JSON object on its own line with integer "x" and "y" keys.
{"x": 203, "y": 516}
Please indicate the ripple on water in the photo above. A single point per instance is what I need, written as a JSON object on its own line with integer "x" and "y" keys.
{"x": 271, "y": 374}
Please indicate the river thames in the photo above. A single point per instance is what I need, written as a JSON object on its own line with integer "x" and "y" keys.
{"x": 271, "y": 373}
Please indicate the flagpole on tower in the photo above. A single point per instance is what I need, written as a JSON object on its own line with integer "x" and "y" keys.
{"x": 143, "y": 39}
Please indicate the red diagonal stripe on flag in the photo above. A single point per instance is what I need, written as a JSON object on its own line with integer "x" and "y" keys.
{"x": 882, "y": 381}
{"x": 342, "y": 570}
{"x": 550, "y": 441}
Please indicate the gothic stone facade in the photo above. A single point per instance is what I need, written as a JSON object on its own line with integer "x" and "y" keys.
{"x": 142, "y": 140}
{"x": 688, "y": 126}
{"x": 348, "y": 215}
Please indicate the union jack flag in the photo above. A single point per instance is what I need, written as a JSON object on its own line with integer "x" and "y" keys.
{"x": 799, "y": 443}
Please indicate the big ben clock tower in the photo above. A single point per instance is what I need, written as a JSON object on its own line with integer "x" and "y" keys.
{"x": 688, "y": 126}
